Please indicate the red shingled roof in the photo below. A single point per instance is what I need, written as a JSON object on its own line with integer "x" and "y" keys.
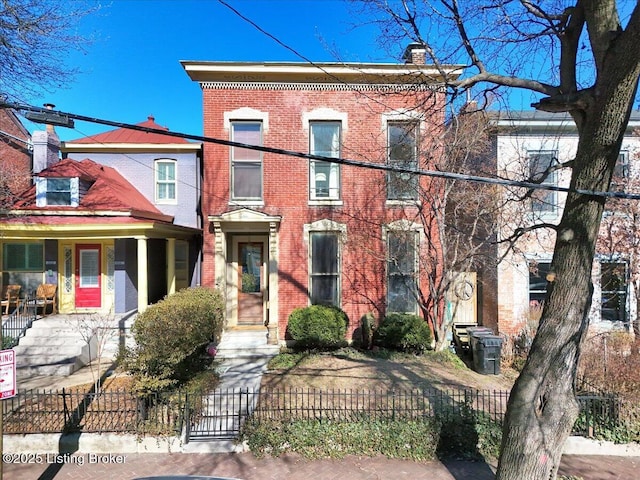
{"x": 125, "y": 135}
{"x": 109, "y": 191}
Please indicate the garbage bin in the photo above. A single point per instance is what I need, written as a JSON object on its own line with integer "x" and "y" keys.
{"x": 474, "y": 334}
{"x": 487, "y": 354}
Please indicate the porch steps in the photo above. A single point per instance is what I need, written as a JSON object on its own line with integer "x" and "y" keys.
{"x": 54, "y": 345}
{"x": 243, "y": 355}
{"x": 245, "y": 343}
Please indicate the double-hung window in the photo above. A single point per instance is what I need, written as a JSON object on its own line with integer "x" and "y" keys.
{"x": 402, "y": 148}
{"x": 324, "y": 140}
{"x": 52, "y": 191}
{"x": 324, "y": 288}
{"x": 613, "y": 288}
{"x": 166, "y": 181}
{"x": 402, "y": 271}
{"x": 541, "y": 170}
{"x": 246, "y": 163}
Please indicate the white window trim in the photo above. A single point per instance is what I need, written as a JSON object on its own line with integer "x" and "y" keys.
{"x": 245, "y": 114}
{"x": 242, "y": 200}
{"x": 165, "y": 201}
{"x": 42, "y": 188}
{"x": 324, "y": 114}
{"x": 326, "y": 226}
{"x": 555, "y": 212}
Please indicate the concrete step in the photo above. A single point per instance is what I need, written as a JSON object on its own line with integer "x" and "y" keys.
{"x": 59, "y": 369}
{"x": 54, "y": 345}
{"x": 245, "y": 343}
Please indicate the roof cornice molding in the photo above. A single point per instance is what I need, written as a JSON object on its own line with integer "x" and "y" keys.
{"x": 364, "y": 87}
{"x": 69, "y": 147}
{"x": 351, "y": 74}
{"x": 76, "y": 212}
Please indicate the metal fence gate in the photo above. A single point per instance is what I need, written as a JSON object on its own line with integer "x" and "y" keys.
{"x": 220, "y": 414}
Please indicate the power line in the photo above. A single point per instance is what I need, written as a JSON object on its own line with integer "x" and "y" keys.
{"x": 341, "y": 161}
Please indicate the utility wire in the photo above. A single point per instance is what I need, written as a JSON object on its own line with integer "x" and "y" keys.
{"x": 340, "y": 161}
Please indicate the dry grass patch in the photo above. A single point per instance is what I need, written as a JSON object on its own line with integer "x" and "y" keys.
{"x": 356, "y": 370}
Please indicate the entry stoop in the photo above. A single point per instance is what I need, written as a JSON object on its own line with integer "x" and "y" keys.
{"x": 245, "y": 343}
{"x": 54, "y": 345}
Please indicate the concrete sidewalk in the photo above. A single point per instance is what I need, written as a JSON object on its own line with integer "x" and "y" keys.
{"x": 292, "y": 467}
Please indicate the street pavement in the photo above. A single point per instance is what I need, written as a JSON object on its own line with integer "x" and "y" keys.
{"x": 293, "y": 467}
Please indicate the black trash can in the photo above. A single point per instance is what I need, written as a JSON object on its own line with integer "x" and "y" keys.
{"x": 474, "y": 334}
{"x": 487, "y": 354}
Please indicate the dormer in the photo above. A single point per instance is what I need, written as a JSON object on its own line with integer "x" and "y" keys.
{"x": 57, "y": 191}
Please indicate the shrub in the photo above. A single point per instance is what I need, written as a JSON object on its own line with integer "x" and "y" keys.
{"x": 404, "y": 332}
{"x": 318, "y": 326}
{"x": 170, "y": 337}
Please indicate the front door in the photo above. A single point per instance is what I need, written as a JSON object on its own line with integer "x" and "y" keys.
{"x": 250, "y": 283}
{"x": 88, "y": 276}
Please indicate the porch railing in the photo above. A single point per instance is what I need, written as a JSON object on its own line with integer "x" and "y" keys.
{"x": 16, "y": 324}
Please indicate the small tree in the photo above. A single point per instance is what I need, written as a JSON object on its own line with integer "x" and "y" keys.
{"x": 97, "y": 330}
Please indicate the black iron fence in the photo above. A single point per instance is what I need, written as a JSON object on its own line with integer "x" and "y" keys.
{"x": 72, "y": 410}
{"x": 220, "y": 414}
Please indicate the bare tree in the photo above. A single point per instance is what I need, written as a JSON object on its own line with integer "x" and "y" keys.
{"x": 459, "y": 221}
{"x": 97, "y": 330}
{"x": 35, "y": 38}
{"x": 620, "y": 245}
{"x": 582, "y": 58}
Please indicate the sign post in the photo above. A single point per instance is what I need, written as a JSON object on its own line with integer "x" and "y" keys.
{"x": 7, "y": 387}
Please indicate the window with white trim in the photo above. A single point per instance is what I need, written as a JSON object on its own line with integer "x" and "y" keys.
{"x": 324, "y": 177}
{"x": 52, "y": 191}
{"x": 402, "y": 271}
{"x": 613, "y": 291}
{"x": 246, "y": 164}
{"x": 166, "y": 183}
{"x": 541, "y": 163}
{"x": 402, "y": 152}
{"x": 324, "y": 282}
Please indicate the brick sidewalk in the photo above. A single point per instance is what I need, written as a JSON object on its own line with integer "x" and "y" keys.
{"x": 292, "y": 467}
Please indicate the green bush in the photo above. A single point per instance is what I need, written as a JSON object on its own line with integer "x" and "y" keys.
{"x": 414, "y": 439}
{"x": 170, "y": 339}
{"x": 318, "y": 326}
{"x": 404, "y": 332}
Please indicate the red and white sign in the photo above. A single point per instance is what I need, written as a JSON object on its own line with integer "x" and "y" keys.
{"x": 7, "y": 374}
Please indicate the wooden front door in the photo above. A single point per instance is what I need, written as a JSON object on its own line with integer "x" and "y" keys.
{"x": 88, "y": 276}
{"x": 250, "y": 283}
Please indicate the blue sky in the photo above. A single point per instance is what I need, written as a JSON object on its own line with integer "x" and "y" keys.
{"x": 131, "y": 68}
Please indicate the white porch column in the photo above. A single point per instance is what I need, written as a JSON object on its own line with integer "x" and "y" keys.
{"x": 171, "y": 266}
{"x": 143, "y": 281}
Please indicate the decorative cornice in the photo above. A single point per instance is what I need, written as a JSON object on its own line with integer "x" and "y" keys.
{"x": 360, "y": 87}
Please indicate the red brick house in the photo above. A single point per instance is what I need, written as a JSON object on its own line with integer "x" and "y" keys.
{"x": 15, "y": 156}
{"x": 282, "y": 231}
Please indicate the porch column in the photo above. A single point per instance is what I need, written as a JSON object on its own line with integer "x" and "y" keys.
{"x": 272, "y": 301}
{"x": 171, "y": 266}
{"x": 143, "y": 281}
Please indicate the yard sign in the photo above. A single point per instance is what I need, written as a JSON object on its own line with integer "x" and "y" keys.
{"x": 7, "y": 374}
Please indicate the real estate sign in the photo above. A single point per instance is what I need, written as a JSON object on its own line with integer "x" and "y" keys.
{"x": 7, "y": 374}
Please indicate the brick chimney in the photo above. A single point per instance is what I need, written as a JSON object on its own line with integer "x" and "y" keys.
{"x": 415, "y": 53}
{"x": 46, "y": 146}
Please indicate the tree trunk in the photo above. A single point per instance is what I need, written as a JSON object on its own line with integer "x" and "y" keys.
{"x": 542, "y": 407}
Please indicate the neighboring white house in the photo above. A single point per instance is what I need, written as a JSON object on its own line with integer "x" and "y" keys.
{"x": 527, "y": 143}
